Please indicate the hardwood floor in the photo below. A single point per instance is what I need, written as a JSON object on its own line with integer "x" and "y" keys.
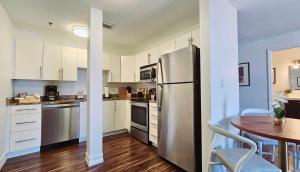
{"x": 121, "y": 153}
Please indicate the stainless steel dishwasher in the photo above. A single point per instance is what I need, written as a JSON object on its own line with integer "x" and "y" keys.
{"x": 60, "y": 122}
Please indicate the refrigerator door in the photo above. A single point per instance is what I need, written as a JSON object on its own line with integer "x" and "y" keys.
{"x": 176, "y": 67}
{"x": 176, "y": 124}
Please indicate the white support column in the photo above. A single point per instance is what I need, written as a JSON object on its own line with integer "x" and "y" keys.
{"x": 94, "y": 142}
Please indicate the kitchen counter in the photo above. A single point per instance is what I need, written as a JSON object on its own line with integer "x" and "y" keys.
{"x": 73, "y": 99}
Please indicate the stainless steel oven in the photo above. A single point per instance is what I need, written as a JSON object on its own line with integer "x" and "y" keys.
{"x": 140, "y": 121}
{"x": 148, "y": 73}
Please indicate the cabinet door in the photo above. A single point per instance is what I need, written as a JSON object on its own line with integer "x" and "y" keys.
{"x": 29, "y": 59}
{"x": 82, "y": 58}
{"x": 83, "y": 120}
{"x": 108, "y": 116}
{"x": 120, "y": 115}
{"x": 183, "y": 41}
{"x": 167, "y": 47}
{"x": 196, "y": 38}
{"x": 153, "y": 55}
{"x": 52, "y": 62}
{"x": 128, "y": 115}
{"x": 115, "y": 69}
{"x": 141, "y": 60}
{"x": 106, "y": 61}
{"x": 69, "y": 64}
{"x": 128, "y": 69}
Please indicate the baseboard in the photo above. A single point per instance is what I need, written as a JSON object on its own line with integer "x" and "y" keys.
{"x": 22, "y": 152}
{"x": 93, "y": 160}
{"x": 2, "y": 160}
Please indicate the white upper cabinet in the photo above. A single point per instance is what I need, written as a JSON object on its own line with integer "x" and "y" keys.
{"x": 196, "y": 38}
{"x": 106, "y": 61}
{"x": 52, "y": 62}
{"x": 128, "y": 69}
{"x": 69, "y": 64}
{"x": 153, "y": 55}
{"x": 29, "y": 59}
{"x": 183, "y": 41}
{"x": 115, "y": 69}
{"x": 167, "y": 47}
{"x": 82, "y": 58}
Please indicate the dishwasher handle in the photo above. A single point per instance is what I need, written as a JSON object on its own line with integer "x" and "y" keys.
{"x": 60, "y": 106}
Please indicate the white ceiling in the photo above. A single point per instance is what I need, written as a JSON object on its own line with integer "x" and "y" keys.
{"x": 261, "y": 19}
{"x": 133, "y": 20}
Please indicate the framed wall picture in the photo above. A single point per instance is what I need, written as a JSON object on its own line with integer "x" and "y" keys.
{"x": 274, "y": 75}
{"x": 244, "y": 74}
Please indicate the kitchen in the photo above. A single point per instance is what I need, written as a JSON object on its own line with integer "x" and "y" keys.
{"x": 50, "y": 67}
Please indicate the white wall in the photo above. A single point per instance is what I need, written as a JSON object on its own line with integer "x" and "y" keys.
{"x": 6, "y": 55}
{"x": 282, "y": 61}
{"x": 256, "y": 95}
{"x": 219, "y": 63}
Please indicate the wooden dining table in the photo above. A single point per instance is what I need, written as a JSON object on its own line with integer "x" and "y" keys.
{"x": 264, "y": 126}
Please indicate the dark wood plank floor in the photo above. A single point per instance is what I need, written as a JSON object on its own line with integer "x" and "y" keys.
{"x": 121, "y": 153}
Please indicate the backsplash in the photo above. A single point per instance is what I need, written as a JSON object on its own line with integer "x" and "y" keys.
{"x": 71, "y": 88}
{"x": 64, "y": 87}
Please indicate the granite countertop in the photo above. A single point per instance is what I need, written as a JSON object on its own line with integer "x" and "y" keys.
{"x": 73, "y": 99}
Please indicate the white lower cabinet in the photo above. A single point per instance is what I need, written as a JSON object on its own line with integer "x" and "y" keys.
{"x": 108, "y": 116}
{"x": 25, "y": 128}
{"x": 120, "y": 115}
{"x": 153, "y": 120}
{"x": 83, "y": 121}
{"x": 128, "y": 114}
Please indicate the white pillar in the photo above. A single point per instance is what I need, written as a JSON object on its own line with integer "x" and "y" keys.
{"x": 94, "y": 143}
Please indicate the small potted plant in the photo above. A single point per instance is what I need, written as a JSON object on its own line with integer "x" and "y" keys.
{"x": 278, "y": 107}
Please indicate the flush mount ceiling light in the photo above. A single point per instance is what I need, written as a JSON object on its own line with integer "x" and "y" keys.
{"x": 81, "y": 31}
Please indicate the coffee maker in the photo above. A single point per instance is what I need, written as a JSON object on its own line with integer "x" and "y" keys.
{"x": 51, "y": 93}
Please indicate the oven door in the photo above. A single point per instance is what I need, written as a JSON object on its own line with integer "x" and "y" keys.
{"x": 139, "y": 116}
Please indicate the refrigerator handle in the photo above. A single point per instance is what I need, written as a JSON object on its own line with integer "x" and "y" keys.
{"x": 160, "y": 84}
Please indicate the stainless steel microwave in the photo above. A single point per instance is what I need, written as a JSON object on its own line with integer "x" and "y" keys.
{"x": 148, "y": 73}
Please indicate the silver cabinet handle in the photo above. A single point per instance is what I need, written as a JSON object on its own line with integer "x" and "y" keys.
{"x": 153, "y": 136}
{"x": 111, "y": 76}
{"x": 30, "y": 122}
{"x": 41, "y": 75}
{"x": 192, "y": 41}
{"x": 153, "y": 124}
{"x": 19, "y": 110}
{"x": 26, "y": 140}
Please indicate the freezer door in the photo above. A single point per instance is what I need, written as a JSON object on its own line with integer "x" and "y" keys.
{"x": 176, "y": 125}
{"x": 176, "y": 67}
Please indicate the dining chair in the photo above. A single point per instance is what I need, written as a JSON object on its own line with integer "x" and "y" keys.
{"x": 261, "y": 141}
{"x": 238, "y": 159}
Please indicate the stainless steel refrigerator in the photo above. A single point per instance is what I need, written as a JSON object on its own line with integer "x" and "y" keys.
{"x": 179, "y": 108}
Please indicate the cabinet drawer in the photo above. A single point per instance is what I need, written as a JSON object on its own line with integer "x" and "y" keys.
{"x": 153, "y": 105}
{"x": 25, "y": 140}
{"x": 153, "y": 130}
{"x": 153, "y": 113}
{"x": 153, "y": 139}
{"x": 25, "y": 122}
{"x": 25, "y": 109}
{"x": 153, "y": 120}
